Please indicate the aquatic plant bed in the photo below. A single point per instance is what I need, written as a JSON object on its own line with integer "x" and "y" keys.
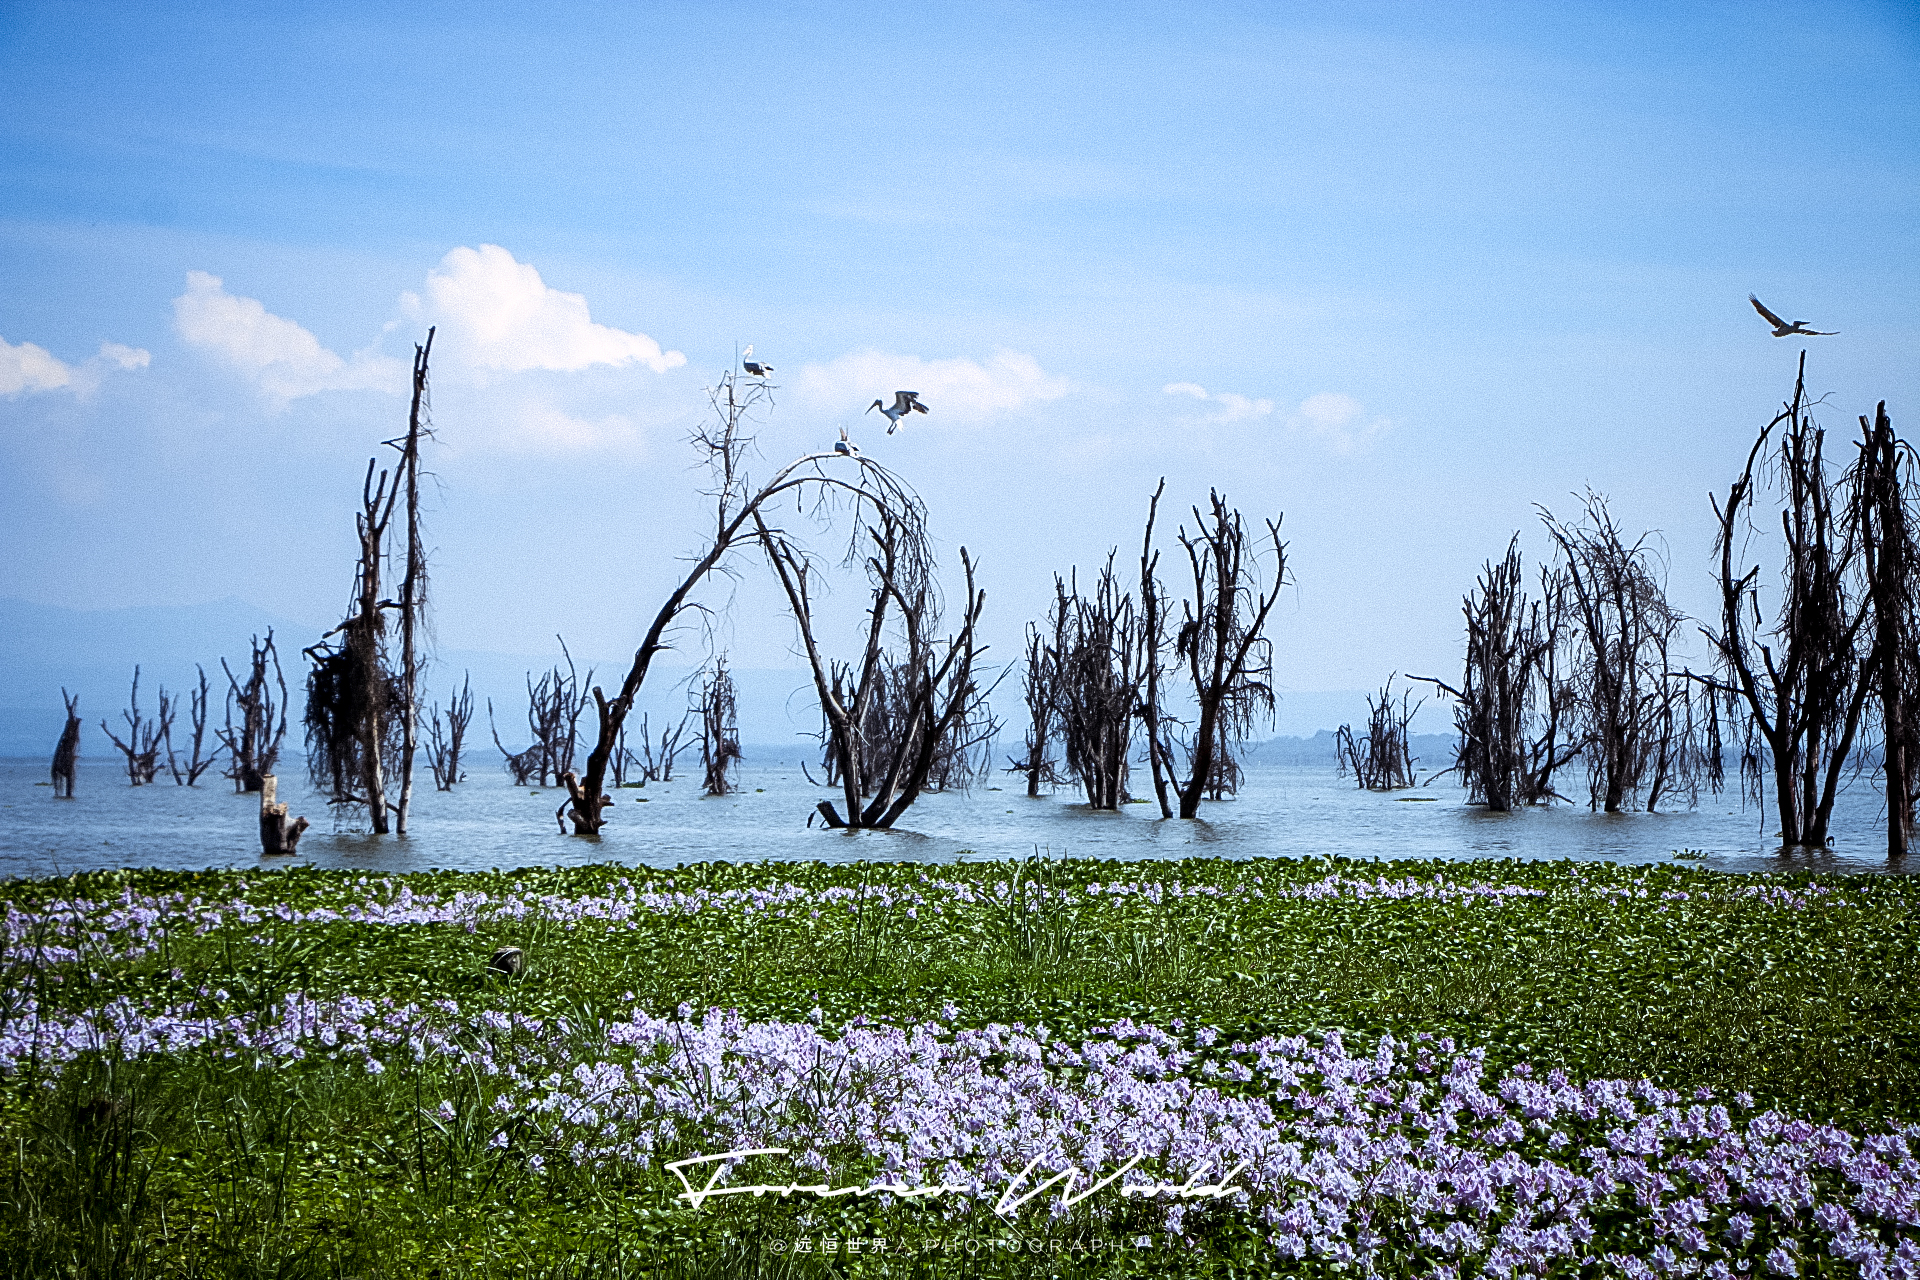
{"x": 1053, "y": 1068}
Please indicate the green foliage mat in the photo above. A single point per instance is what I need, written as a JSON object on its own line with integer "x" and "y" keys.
{"x": 194, "y": 1164}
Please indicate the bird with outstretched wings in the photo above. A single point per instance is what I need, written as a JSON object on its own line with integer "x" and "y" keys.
{"x": 904, "y": 403}
{"x": 1784, "y": 329}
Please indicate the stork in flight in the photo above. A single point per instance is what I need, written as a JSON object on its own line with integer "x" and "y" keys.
{"x": 904, "y": 403}
{"x": 754, "y": 367}
{"x": 1783, "y": 329}
{"x": 846, "y": 447}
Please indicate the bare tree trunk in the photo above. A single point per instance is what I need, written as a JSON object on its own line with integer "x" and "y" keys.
{"x": 444, "y": 747}
{"x": 66, "y": 755}
{"x": 253, "y": 747}
{"x": 719, "y": 730}
{"x": 1883, "y": 511}
{"x": 413, "y": 588}
{"x": 1153, "y": 661}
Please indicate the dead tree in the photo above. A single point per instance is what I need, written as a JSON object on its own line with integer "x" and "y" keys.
{"x": 362, "y": 715}
{"x": 444, "y": 745}
{"x": 656, "y": 762}
{"x": 553, "y": 718}
{"x": 145, "y": 738}
{"x": 1798, "y": 690}
{"x": 253, "y": 744}
{"x": 1885, "y": 512}
{"x": 1040, "y": 677}
{"x": 719, "y": 729}
{"x": 1382, "y": 759}
{"x": 1155, "y": 648}
{"x": 1222, "y": 638}
{"x": 1622, "y": 628}
{"x": 521, "y": 765}
{"x": 1097, "y": 693}
{"x": 197, "y": 763}
{"x": 737, "y": 504}
{"x": 931, "y": 685}
{"x": 66, "y": 755}
{"x": 1513, "y": 708}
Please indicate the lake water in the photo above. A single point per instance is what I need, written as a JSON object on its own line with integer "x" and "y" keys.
{"x": 1283, "y": 810}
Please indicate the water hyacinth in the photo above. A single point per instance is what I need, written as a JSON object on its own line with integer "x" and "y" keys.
{"x": 1404, "y": 1156}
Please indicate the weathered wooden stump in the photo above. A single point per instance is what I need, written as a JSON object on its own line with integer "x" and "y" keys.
{"x": 277, "y": 835}
{"x": 507, "y": 961}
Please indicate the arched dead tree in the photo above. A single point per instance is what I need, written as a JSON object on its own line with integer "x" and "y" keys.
{"x": 444, "y": 745}
{"x": 1624, "y": 698}
{"x": 1885, "y": 511}
{"x": 66, "y": 755}
{"x": 188, "y": 775}
{"x": 930, "y": 686}
{"x": 859, "y": 480}
{"x": 145, "y": 738}
{"x": 1098, "y": 686}
{"x": 1222, "y": 638}
{"x": 1514, "y": 707}
{"x": 362, "y": 709}
{"x": 253, "y": 743}
{"x": 719, "y": 730}
{"x": 1382, "y": 760}
{"x": 1798, "y": 690}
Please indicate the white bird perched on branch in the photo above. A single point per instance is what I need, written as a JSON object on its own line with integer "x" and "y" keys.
{"x": 904, "y": 403}
{"x": 1783, "y": 329}
{"x": 754, "y": 367}
{"x": 845, "y": 446}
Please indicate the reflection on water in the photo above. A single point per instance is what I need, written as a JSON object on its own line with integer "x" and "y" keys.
{"x": 1285, "y": 811}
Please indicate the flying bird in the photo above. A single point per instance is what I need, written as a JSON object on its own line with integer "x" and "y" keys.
{"x": 904, "y": 403}
{"x": 1783, "y": 329}
{"x": 845, "y": 446}
{"x": 754, "y": 367}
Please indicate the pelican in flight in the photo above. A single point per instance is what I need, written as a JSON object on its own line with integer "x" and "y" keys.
{"x": 1784, "y": 329}
{"x": 846, "y": 447}
{"x": 754, "y": 367}
{"x": 904, "y": 403}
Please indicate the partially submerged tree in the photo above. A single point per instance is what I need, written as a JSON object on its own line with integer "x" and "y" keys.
{"x": 719, "y": 729}
{"x": 1382, "y": 759}
{"x": 444, "y": 745}
{"x": 1155, "y": 649}
{"x": 929, "y": 687}
{"x": 1097, "y": 686}
{"x": 1632, "y": 714}
{"x": 1040, "y": 678}
{"x": 553, "y": 719}
{"x": 655, "y": 760}
{"x": 145, "y": 737}
{"x": 66, "y": 755}
{"x": 856, "y": 479}
{"x": 521, "y": 765}
{"x": 1797, "y": 690}
{"x": 1514, "y": 707}
{"x": 1885, "y": 512}
{"x": 197, "y": 763}
{"x": 253, "y": 743}
{"x": 362, "y": 714}
{"x": 1222, "y": 638}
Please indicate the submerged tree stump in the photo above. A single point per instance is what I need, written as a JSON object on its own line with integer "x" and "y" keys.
{"x": 67, "y": 754}
{"x": 277, "y": 835}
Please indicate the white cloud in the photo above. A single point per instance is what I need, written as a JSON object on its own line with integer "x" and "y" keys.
{"x": 29, "y": 368}
{"x": 283, "y": 359}
{"x": 497, "y": 314}
{"x": 1341, "y": 422}
{"x": 955, "y": 390}
{"x": 1228, "y": 406}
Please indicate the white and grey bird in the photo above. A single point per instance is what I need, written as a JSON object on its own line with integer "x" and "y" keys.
{"x": 1785, "y": 329}
{"x": 754, "y": 367}
{"x": 904, "y": 403}
{"x": 845, "y": 446}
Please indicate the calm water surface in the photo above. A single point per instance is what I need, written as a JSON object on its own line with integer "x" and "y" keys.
{"x": 1284, "y": 810}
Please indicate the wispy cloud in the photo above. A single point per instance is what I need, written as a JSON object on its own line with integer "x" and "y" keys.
{"x": 1340, "y": 422}
{"x": 281, "y": 358}
{"x": 497, "y": 315}
{"x": 1228, "y": 406}
{"x": 955, "y": 390}
{"x": 30, "y": 368}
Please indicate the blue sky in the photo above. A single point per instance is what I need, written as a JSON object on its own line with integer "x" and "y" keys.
{"x": 1396, "y": 272}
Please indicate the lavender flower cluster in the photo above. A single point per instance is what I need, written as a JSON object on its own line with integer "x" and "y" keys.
{"x": 1404, "y": 1156}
